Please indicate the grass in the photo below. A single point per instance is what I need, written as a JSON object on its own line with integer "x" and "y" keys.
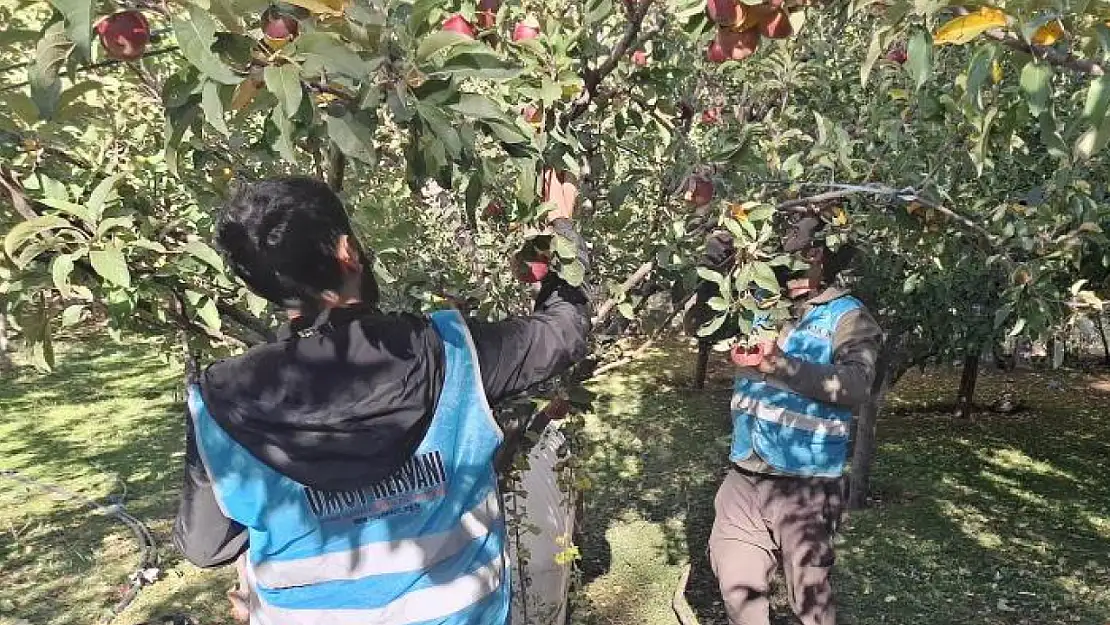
{"x": 109, "y": 416}
{"x": 996, "y": 521}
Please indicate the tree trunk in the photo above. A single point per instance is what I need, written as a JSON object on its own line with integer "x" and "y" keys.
{"x": 965, "y": 398}
{"x": 1102, "y": 335}
{"x": 863, "y": 447}
{"x": 702, "y": 365}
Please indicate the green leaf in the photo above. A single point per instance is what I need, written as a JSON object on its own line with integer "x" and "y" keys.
{"x": 284, "y": 81}
{"x": 1092, "y": 141}
{"x": 508, "y": 133}
{"x": 71, "y": 316}
{"x": 284, "y": 143}
{"x": 25, "y": 230}
{"x": 69, "y": 208}
{"x": 1002, "y": 314}
{"x": 327, "y": 51}
{"x": 874, "y": 51}
{"x": 478, "y": 63}
{"x": 920, "y": 57}
{"x": 626, "y": 310}
{"x": 978, "y": 72}
{"x": 421, "y": 10}
{"x": 1036, "y": 79}
{"x": 101, "y": 195}
{"x": 480, "y": 107}
{"x": 437, "y": 42}
{"x": 203, "y": 252}
{"x": 60, "y": 269}
{"x": 113, "y": 223}
{"x": 597, "y": 11}
{"x": 352, "y": 138}
{"x": 1018, "y": 327}
{"x": 764, "y": 276}
{"x": 550, "y": 92}
{"x": 213, "y": 107}
{"x": 1098, "y": 97}
{"x": 712, "y": 326}
{"x": 441, "y": 127}
{"x": 710, "y": 276}
{"x": 195, "y": 35}
{"x": 46, "y": 87}
{"x": 110, "y": 265}
{"x": 177, "y": 121}
{"x": 718, "y": 304}
{"x": 574, "y": 273}
{"x": 564, "y": 247}
{"x": 257, "y": 305}
{"x": 210, "y": 315}
{"x": 78, "y": 21}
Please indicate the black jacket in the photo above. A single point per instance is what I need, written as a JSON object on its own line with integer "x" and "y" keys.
{"x": 343, "y": 400}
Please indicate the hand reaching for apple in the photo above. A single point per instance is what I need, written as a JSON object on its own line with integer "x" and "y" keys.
{"x": 560, "y": 191}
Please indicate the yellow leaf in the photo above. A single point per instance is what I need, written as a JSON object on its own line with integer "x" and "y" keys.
{"x": 739, "y": 213}
{"x": 996, "y": 72}
{"x": 967, "y": 27}
{"x": 840, "y": 216}
{"x": 322, "y": 7}
{"x": 1048, "y": 34}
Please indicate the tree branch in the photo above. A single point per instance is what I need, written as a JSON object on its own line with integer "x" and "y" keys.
{"x": 593, "y": 78}
{"x": 102, "y": 64}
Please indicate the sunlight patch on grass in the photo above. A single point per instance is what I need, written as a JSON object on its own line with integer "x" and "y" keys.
{"x": 1014, "y": 459}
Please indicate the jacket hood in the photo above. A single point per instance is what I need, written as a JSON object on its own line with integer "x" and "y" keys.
{"x": 334, "y": 403}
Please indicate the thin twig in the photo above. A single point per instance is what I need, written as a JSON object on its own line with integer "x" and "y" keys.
{"x": 102, "y": 64}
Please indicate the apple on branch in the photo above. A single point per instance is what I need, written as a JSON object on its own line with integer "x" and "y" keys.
{"x": 459, "y": 24}
{"x": 125, "y": 35}
{"x": 279, "y": 28}
{"x": 526, "y": 29}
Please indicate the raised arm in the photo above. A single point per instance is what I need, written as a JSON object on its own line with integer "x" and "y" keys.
{"x": 519, "y": 352}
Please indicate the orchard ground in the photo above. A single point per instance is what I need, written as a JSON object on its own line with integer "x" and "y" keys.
{"x": 1000, "y": 520}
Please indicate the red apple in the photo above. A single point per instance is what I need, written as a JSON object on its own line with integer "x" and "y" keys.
{"x": 639, "y": 58}
{"x": 531, "y": 271}
{"x": 279, "y": 28}
{"x": 738, "y": 44}
{"x": 777, "y": 25}
{"x": 458, "y": 24}
{"x": 532, "y": 114}
{"x": 698, "y": 190}
{"x": 528, "y": 29}
{"x": 487, "y": 13}
{"x": 715, "y": 53}
{"x": 124, "y": 35}
{"x": 751, "y": 355}
{"x": 711, "y": 116}
{"x": 493, "y": 210}
{"x": 897, "y": 55}
{"x": 724, "y": 12}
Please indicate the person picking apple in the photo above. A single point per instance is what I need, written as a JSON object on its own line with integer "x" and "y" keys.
{"x": 348, "y": 465}
{"x": 792, "y": 408}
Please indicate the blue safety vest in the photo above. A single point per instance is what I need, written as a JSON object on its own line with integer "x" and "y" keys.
{"x": 424, "y": 546}
{"x": 794, "y": 434}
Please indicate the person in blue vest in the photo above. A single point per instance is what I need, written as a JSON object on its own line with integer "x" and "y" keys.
{"x": 782, "y": 498}
{"x": 351, "y": 459}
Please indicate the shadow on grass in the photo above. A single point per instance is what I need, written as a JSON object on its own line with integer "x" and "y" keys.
{"x": 106, "y": 422}
{"x": 998, "y": 520}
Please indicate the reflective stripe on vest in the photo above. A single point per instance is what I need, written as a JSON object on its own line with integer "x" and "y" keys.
{"x": 795, "y": 434}
{"x": 426, "y": 545}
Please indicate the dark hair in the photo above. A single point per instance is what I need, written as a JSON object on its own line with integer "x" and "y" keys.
{"x": 279, "y": 236}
